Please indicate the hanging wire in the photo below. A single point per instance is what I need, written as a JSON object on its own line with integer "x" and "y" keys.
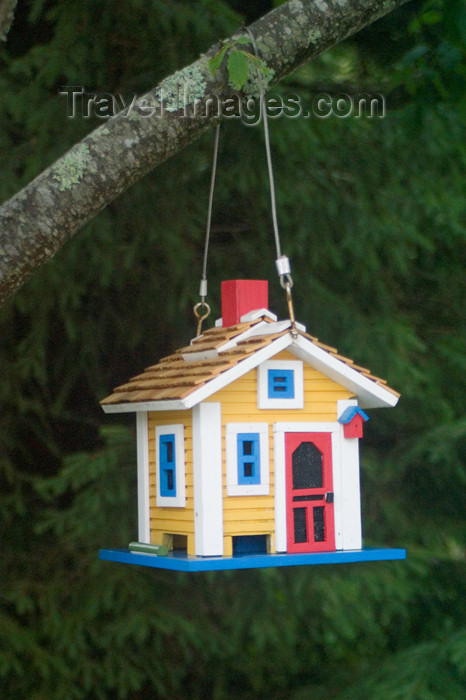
{"x": 202, "y": 308}
{"x": 203, "y": 293}
{"x": 282, "y": 262}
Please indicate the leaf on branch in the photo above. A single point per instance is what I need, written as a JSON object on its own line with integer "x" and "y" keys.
{"x": 243, "y": 40}
{"x": 216, "y": 61}
{"x": 238, "y": 69}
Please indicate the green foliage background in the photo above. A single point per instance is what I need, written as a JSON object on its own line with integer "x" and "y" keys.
{"x": 372, "y": 215}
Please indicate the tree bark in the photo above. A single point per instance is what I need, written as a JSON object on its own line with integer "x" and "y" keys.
{"x": 40, "y": 218}
{"x": 7, "y": 13}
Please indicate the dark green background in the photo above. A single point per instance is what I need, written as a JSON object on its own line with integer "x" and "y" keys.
{"x": 372, "y": 214}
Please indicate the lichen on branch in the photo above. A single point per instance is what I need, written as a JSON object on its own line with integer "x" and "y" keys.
{"x": 70, "y": 169}
{"x": 38, "y": 220}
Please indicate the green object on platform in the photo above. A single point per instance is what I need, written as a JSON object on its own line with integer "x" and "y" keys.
{"x": 158, "y": 549}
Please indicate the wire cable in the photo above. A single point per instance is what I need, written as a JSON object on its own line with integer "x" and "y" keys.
{"x": 282, "y": 262}
{"x": 267, "y": 147}
{"x": 202, "y": 309}
{"x": 203, "y": 290}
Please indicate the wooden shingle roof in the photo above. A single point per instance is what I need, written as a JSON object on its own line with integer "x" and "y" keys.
{"x": 177, "y": 378}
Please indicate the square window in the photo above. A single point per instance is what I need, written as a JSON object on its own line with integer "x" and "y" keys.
{"x": 280, "y": 384}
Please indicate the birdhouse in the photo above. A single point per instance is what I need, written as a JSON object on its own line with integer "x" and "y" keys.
{"x": 352, "y": 420}
{"x": 247, "y": 444}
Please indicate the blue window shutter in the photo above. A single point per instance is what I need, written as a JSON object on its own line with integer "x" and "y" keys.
{"x": 280, "y": 383}
{"x": 248, "y": 450}
{"x": 167, "y": 458}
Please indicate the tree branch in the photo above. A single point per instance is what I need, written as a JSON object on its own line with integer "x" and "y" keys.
{"x": 7, "y": 13}
{"x": 38, "y": 220}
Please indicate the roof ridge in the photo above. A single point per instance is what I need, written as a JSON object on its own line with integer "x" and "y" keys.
{"x": 191, "y": 367}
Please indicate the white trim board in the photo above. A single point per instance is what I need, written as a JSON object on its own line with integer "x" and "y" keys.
{"x": 142, "y": 441}
{"x": 133, "y": 406}
{"x": 207, "y": 466}
{"x": 369, "y": 393}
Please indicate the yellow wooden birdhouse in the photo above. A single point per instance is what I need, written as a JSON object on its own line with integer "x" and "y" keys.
{"x": 248, "y": 446}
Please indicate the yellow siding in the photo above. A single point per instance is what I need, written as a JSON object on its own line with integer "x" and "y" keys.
{"x": 242, "y": 515}
{"x": 173, "y": 521}
{"x": 248, "y": 515}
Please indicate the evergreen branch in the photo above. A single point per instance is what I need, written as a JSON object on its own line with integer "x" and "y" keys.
{"x": 40, "y": 218}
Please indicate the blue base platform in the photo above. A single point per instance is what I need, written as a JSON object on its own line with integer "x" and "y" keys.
{"x": 181, "y": 562}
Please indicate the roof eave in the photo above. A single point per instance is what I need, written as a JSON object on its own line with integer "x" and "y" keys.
{"x": 370, "y": 394}
{"x": 137, "y": 406}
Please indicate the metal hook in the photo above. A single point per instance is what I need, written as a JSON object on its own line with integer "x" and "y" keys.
{"x": 289, "y": 301}
{"x": 201, "y": 316}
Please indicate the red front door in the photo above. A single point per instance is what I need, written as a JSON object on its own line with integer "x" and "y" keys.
{"x": 309, "y": 492}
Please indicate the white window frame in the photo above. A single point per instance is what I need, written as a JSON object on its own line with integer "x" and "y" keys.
{"x": 231, "y": 443}
{"x": 263, "y": 400}
{"x": 179, "y": 500}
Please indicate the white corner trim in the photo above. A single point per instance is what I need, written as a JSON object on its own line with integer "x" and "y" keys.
{"x": 142, "y": 441}
{"x": 207, "y": 467}
{"x": 263, "y": 400}
{"x": 351, "y": 490}
{"x": 178, "y": 501}
{"x": 231, "y": 445}
{"x": 343, "y": 404}
{"x": 340, "y": 497}
{"x": 280, "y": 490}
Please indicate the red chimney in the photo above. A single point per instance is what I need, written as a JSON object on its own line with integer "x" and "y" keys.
{"x": 239, "y": 297}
